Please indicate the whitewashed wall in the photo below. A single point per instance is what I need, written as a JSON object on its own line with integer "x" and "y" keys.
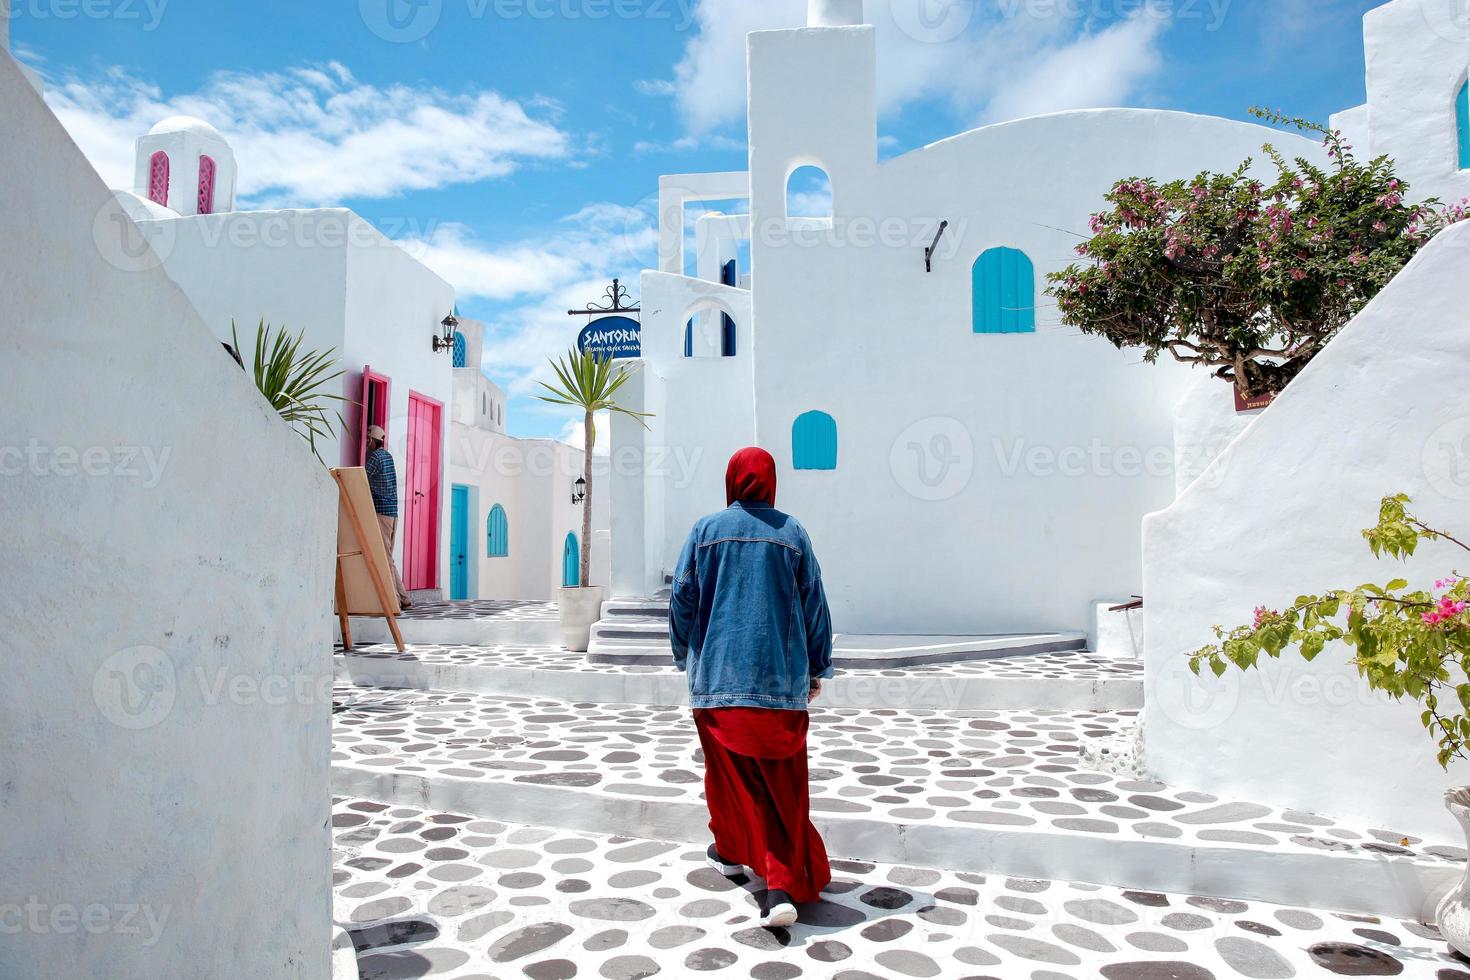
{"x": 394, "y": 305}
{"x": 1381, "y": 410}
{"x": 330, "y": 273}
{"x": 166, "y": 598}
{"x": 1052, "y": 446}
{"x": 1205, "y": 423}
{"x": 532, "y": 479}
{"x": 1417, "y": 53}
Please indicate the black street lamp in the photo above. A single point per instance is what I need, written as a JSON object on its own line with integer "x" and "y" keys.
{"x": 451, "y": 327}
{"x": 579, "y": 491}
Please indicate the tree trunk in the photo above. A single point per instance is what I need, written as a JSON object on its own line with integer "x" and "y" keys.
{"x": 589, "y": 441}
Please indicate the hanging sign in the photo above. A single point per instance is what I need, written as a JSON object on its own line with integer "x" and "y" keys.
{"x": 611, "y": 336}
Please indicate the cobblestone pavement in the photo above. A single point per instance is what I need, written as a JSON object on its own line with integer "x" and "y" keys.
{"x": 1007, "y": 769}
{"x": 445, "y": 895}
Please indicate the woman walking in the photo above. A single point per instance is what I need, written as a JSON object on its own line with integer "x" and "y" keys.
{"x": 749, "y": 622}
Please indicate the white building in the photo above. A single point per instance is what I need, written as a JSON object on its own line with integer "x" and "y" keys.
{"x": 166, "y": 600}
{"x": 332, "y": 274}
{"x": 515, "y": 525}
{"x": 964, "y": 463}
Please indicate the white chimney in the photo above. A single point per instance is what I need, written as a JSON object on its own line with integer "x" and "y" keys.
{"x": 4, "y": 25}
{"x": 834, "y": 13}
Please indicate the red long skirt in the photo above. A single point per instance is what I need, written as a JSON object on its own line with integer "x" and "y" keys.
{"x": 755, "y": 782}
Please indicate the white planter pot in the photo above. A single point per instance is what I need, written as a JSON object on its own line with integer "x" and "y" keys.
{"x": 1453, "y": 916}
{"x": 579, "y": 609}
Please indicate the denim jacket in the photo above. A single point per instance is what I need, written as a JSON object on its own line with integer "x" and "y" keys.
{"x": 748, "y": 617}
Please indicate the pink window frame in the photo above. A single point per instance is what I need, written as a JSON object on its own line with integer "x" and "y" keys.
{"x": 206, "y": 184}
{"x": 158, "y": 178}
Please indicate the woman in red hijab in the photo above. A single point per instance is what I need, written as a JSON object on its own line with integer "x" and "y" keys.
{"x": 749, "y": 622}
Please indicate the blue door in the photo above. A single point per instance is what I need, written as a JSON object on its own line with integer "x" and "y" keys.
{"x": 459, "y": 538}
{"x": 571, "y": 563}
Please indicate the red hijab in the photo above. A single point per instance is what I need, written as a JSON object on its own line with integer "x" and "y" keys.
{"x": 751, "y": 476}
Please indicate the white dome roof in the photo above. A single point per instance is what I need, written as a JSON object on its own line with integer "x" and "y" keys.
{"x": 186, "y": 124}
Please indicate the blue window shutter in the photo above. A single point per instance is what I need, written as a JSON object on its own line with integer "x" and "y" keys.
{"x": 814, "y": 442}
{"x": 1004, "y": 292}
{"x": 571, "y": 562}
{"x": 1462, "y": 116}
{"x": 459, "y": 351}
{"x": 497, "y": 533}
{"x": 689, "y": 339}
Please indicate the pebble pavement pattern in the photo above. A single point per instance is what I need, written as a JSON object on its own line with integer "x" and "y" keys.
{"x": 437, "y": 894}
{"x": 1014, "y": 769}
{"x": 498, "y": 609}
{"x": 1077, "y": 665}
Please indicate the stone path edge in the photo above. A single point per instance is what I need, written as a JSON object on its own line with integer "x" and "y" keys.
{"x": 1380, "y": 884}
{"x": 844, "y": 691}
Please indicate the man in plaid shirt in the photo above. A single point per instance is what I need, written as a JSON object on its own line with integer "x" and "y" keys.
{"x": 383, "y": 481}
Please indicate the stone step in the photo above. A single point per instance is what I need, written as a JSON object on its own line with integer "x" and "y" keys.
{"x": 631, "y": 640}
{"x": 656, "y": 608}
{"x": 1058, "y": 681}
{"x": 474, "y": 622}
{"x": 981, "y": 792}
{"x": 626, "y": 626}
{"x": 425, "y": 891}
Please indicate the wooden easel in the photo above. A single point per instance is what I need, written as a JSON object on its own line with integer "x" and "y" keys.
{"x": 361, "y": 554}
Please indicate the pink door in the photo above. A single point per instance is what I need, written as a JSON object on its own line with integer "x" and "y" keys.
{"x": 421, "y": 493}
{"x": 373, "y": 410}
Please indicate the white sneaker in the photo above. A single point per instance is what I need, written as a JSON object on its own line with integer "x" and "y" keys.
{"x": 778, "y": 911}
{"x": 713, "y": 859}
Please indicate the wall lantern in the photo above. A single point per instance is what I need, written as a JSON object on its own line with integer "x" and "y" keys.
{"x": 451, "y": 327}
{"x": 579, "y": 491}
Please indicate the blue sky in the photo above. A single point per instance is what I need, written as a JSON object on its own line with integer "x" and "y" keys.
{"x": 515, "y": 145}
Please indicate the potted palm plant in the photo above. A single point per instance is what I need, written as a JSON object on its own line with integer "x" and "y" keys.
{"x": 586, "y": 381}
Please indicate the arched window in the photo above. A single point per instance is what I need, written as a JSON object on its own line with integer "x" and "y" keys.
{"x": 1004, "y": 292}
{"x": 206, "y": 185}
{"x": 571, "y": 562}
{"x": 1462, "y": 114}
{"x": 814, "y": 442}
{"x": 808, "y": 193}
{"x": 459, "y": 349}
{"x": 497, "y": 534}
{"x": 158, "y": 178}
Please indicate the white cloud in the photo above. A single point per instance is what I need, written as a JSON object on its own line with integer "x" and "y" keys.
{"x": 999, "y": 59}
{"x": 316, "y": 135}
{"x": 536, "y": 281}
{"x": 1093, "y": 71}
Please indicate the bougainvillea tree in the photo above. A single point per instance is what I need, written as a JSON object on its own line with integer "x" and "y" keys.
{"x": 1409, "y": 644}
{"x": 1246, "y": 278}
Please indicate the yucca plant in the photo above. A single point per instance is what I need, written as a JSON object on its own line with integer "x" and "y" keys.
{"x": 588, "y": 382}
{"x": 295, "y": 381}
